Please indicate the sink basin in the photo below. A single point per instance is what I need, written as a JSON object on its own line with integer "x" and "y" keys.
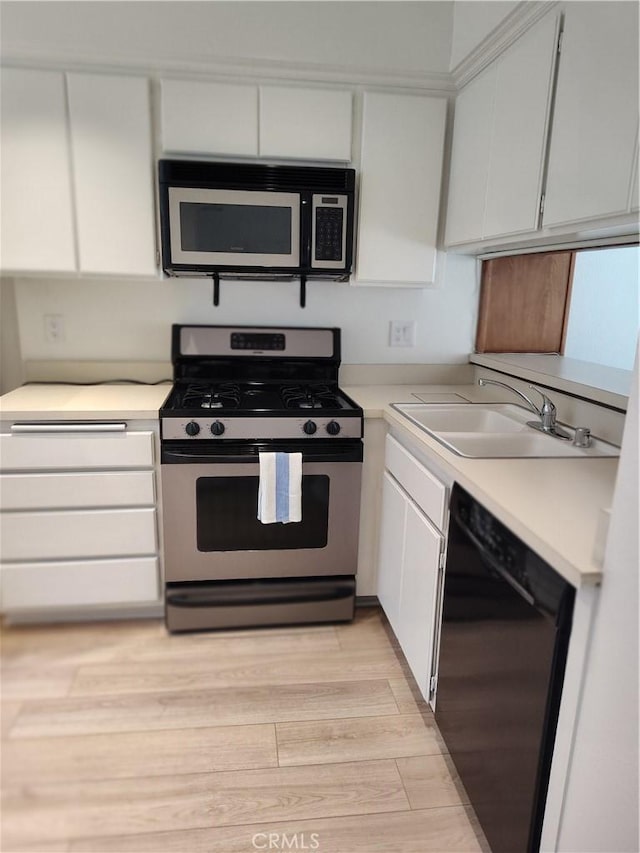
{"x": 493, "y": 431}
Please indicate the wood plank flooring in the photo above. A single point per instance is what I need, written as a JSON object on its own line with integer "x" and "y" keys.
{"x": 120, "y": 737}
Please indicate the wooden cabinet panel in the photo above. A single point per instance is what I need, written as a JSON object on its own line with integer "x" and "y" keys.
{"x": 314, "y": 124}
{"x": 209, "y": 118}
{"x": 524, "y": 302}
{"x": 400, "y": 176}
{"x": 37, "y": 232}
{"x": 110, "y": 125}
{"x": 595, "y": 122}
{"x": 79, "y": 583}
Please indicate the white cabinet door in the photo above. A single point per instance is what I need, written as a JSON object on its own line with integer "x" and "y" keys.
{"x": 470, "y": 154}
{"x": 400, "y": 177}
{"x": 520, "y": 120}
{"x": 422, "y": 547}
{"x": 499, "y": 141}
{"x": 313, "y": 124}
{"x": 595, "y": 122}
{"x": 209, "y": 118}
{"x": 408, "y": 575}
{"x": 113, "y": 173}
{"x": 37, "y": 214}
{"x": 391, "y": 555}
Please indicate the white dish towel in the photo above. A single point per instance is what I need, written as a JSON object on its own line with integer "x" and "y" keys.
{"x": 280, "y": 489}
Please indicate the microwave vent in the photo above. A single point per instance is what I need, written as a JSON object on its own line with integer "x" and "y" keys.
{"x": 256, "y": 175}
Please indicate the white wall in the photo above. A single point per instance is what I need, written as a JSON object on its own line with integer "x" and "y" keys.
{"x": 601, "y": 806}
{"x": 130, "y": 320}
{"x": 472, "y": 22}
{"x": 392, "y": 36}
{"x": 604, "y": 317}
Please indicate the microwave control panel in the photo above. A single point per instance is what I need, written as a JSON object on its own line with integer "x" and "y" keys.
{"x": 329, "y": 231}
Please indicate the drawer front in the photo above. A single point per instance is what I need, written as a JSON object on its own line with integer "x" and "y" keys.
{"x": 85, "y": 582}
{"x": 76, "y": 490}
{"x": 423, "y": 487}
{"x": 77, "y": 535}
{"x": 43, "y": 451}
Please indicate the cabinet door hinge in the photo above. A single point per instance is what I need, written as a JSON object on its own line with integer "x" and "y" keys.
{"x": 433, "y": 681}
{"x": 441, "y": 560}
{"x": 560, "y": 37}
{"x": 542, "y": 197}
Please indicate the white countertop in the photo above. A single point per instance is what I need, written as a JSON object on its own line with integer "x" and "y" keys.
{"x": 551, "y": 504}
{"x": 69, "y": 402}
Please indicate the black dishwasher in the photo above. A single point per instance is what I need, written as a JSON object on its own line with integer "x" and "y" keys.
{"x": 503, "y": 649}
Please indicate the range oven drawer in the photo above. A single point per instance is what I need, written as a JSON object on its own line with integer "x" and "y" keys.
{"x": 237, "y": 604}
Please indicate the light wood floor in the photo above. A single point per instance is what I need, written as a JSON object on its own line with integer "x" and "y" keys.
{"x": 120, "y": 737}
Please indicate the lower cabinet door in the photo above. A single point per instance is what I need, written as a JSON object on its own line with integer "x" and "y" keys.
{"x": 422, "y": 547}
{"x": 394, "y": 508}
{"x": 77, "y": 583}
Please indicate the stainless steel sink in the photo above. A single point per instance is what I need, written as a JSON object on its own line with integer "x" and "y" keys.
{"x": 494, "y": 430}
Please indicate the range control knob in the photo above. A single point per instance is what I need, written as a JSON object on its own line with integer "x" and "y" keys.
{"x": 217, "y": 428}
{"x": 309, "y": 427}
{"x": 333, "y": 427}
{"x": 192, "y": 428}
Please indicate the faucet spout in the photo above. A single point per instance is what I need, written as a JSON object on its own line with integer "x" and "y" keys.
{"x": 530, "y": 403}
{"x": 546, "y": 412}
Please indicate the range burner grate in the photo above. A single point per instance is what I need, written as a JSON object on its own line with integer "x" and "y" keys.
{"x": 225, "y": 395}
{"x": 309, "y": 397}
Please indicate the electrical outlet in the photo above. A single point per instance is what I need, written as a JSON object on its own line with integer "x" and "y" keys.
{"x": 402, "y": 333}
{"x": 54, "y": 328}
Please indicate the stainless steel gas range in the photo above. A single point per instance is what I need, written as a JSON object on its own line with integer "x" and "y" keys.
{"x": 239, "y": 391}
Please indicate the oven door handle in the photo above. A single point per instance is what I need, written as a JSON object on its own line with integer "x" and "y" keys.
{"x": 221, "y": 455}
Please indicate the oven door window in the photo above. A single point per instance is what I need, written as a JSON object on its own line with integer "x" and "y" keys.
{"x": 226, "y": 510}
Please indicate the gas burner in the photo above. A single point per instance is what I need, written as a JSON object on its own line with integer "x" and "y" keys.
{"x": 309, "y": 397}
{"x": 225, "y": 395}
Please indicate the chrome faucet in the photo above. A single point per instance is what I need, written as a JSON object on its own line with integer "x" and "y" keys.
{"x": 546, "y": 412}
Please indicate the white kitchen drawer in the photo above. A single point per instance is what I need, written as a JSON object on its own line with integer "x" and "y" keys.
{"x": 77, "y": 534}
{"x": 47, "y": 451}
{"x": 85, "y": 582}
{"x": 76, "y": 490}
{"x": 425, "y": 489}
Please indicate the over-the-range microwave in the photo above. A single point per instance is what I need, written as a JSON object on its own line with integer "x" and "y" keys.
{"x": 255, "y": 220}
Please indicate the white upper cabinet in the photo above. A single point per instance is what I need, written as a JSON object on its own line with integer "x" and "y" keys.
{"x": 113, "y": 173}
{"x": 470, "y": 156}
{"x": 400, "y": 177}
{"x": 37, "y": 214}
{"x": 595, "y": 124}
{"x": 524, "y": 81}
{"x": 236, "y": 120}
{"x": 209, "y": 118}
{"x": 312, "y": 124}
{"x": 499, "y": 141}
